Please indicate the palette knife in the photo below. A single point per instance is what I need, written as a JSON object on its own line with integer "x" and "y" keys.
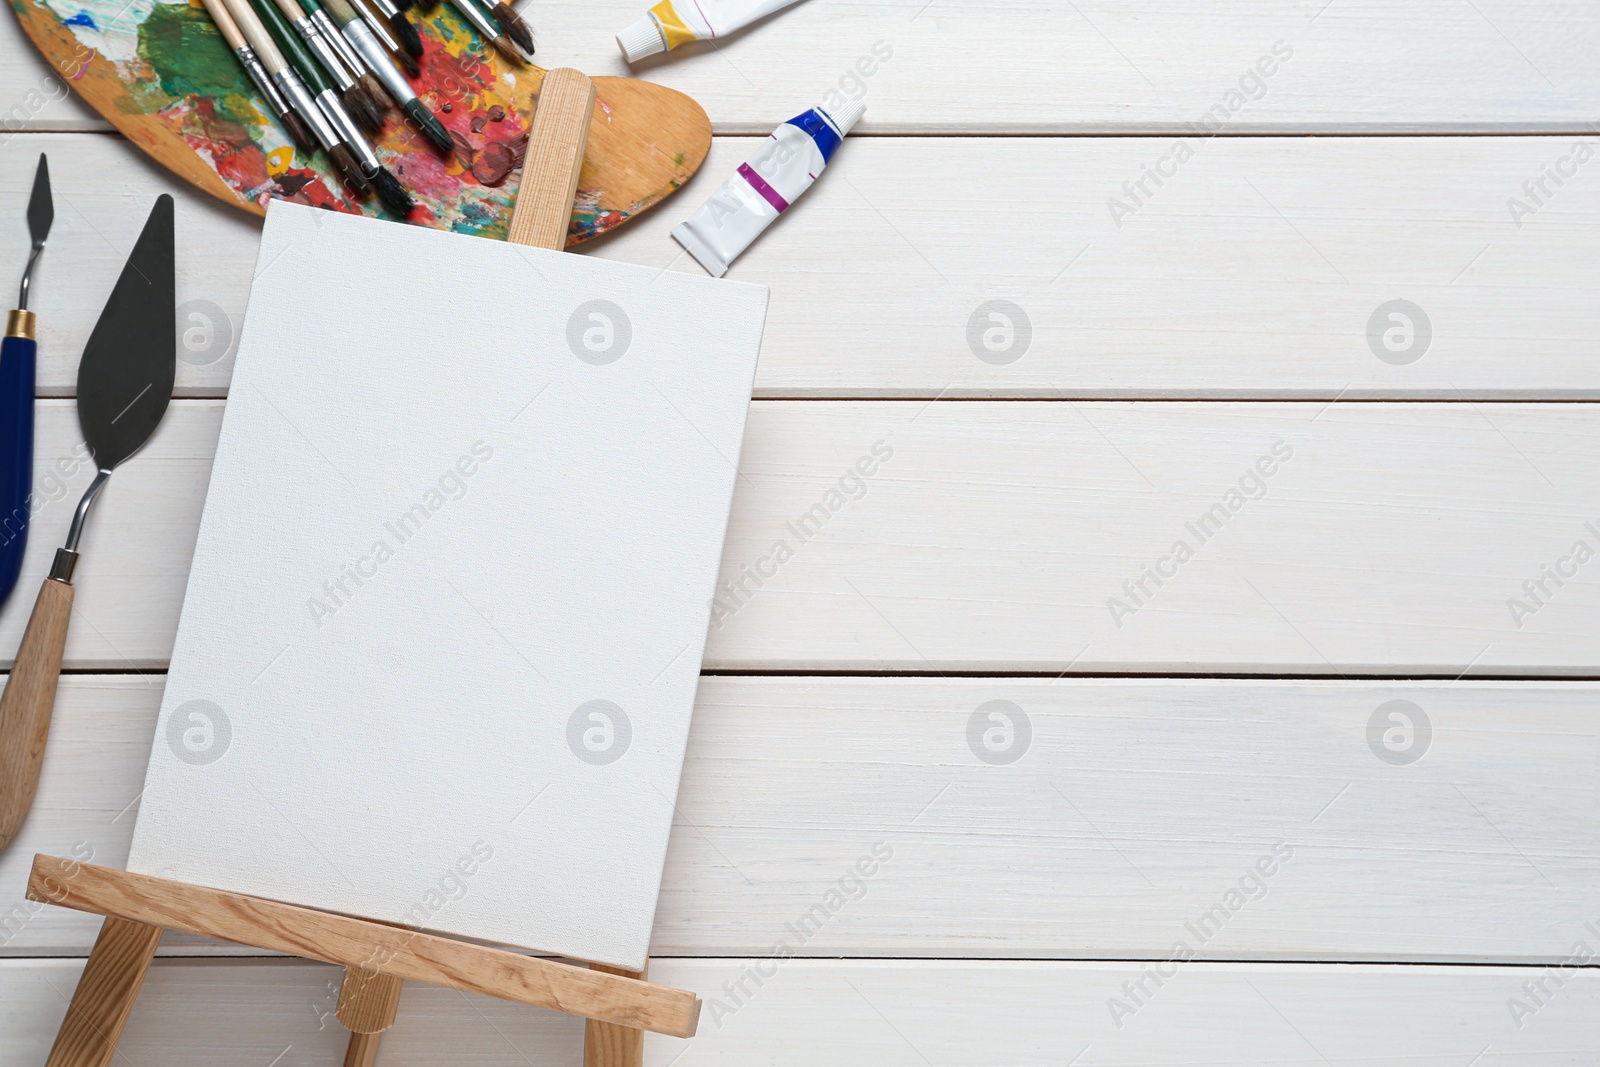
{"x": 124, "y": 384}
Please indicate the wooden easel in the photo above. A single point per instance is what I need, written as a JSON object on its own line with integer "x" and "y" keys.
{"x": 619, "y": 1005}
{"x": 376, "y": 958}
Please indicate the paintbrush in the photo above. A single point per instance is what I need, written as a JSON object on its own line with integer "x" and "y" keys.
{"x": 516, "y": 28}
{"x": 359, "y": 36}
{"x": 293, "y": 124}
{"x": 489, "y": 29}
{"x": 358, "y": 103}
{"x": 404, "y": 32}
{"x": 295, "y": 92}
{"x": 389, "y": 189}
{"x": 364, "y": 75}
{"x": 380, "y": 30}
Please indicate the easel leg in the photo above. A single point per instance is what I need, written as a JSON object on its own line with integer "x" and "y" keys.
{"x": 105, "y": 995}
{"x": 368, "y": 1004}
{"x": 610, "y": 1045}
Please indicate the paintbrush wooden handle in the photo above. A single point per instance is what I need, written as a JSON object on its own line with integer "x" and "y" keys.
{"x": 261, "y": 42}
{"x": 229, "y": 28}
{"x": 550, "y": 169}
{"x": 341, "y": 11}
{"x": 28, "y": 702}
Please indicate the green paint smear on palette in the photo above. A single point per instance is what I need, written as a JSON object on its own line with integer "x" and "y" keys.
{"x": 190, "y": 58}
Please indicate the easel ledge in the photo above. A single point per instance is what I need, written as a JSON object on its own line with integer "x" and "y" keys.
{"x": 360, "y": 945}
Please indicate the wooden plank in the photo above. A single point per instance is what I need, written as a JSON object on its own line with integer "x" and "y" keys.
{"x": 1132, "y": 809}
{"x": 266, "y": 924}
{"x": 1254, "y": 272}
{"x": 1117, "y": 65}
{"x": 200, "y": 1013}
{"x": 995, "y": 536}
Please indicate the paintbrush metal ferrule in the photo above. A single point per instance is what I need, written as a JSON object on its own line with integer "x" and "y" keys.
{"x": 349, "y": 133}
{"x": 362, "y": 40}
{"x": 258, "y": 74}
{"x": 480, "y": 20}
{"x": 376, "y": 24}
{"x": 359, "y": 36}
{"x": 331, "y": 34}
{"x": 294, "y": 90}
{"x": 324, "y": 52}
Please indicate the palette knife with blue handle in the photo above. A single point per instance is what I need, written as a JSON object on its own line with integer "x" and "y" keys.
{"x": 18, "y": 366}
{"x": 124, "y": 385}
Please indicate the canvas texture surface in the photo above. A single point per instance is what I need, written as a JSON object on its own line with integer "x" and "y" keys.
{"x": 440, "y": 644}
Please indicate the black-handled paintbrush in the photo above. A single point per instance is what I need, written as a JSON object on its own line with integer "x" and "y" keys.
{"x": 295, "y": 92}
{"x": 389, "y": 189}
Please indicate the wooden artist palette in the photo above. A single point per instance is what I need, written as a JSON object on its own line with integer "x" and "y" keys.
{"x": 161, "y": 73}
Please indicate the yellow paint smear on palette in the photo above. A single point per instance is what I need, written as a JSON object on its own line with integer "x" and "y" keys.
{"x": 161, "y": 73}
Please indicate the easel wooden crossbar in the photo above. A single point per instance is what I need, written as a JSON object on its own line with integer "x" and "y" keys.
{"x": 376, "y": 958}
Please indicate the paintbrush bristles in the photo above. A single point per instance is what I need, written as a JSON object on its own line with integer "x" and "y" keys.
{"x": 391, "y": 192}
{"x": 375, "y": 89}
{"x": 408, "y": 63}
{"x": 406, "y": 34}
{"x": 298, "y": 131}
{"x": 430, "y": 124}
{"x": 514, "y": 26}
{"x": 345, "y": 161}
{"x": 508, "y": 49}
{"x": 367, "y": 112}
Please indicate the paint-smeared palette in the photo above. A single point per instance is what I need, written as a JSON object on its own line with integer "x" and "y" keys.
{"x": 160, "y": 72}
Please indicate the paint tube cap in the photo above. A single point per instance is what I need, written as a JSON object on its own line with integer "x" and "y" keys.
{"x": 642, "y": 38}
{"x": 846, "y": 114}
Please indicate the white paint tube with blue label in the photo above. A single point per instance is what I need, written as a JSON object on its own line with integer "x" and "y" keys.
{"x": 766, "y": 184}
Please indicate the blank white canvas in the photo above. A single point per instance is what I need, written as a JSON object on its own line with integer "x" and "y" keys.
{"x": 419, "y": 743}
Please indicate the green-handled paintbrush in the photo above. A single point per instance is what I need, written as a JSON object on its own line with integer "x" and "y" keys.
{"x": 390, "y": 191}
{"x": 319, "y": 36}
{"x": 295, "y": 92}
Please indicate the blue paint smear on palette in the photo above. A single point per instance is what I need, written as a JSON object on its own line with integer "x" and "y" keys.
{"x": 82, "y": 18}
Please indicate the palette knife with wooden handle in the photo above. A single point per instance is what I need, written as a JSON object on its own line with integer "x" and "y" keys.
{"x": 124, "y": 384}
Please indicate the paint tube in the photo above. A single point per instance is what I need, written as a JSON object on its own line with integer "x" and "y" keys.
{"x": 766, "y": 184}
{"x": 667, "y": 25}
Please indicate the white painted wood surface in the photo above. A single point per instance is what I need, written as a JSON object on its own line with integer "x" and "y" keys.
{"x": 1396, "y": 539}
{"x": 1391, "y": 542}
{"x": 1254, "y": 272}
{"x": 1110, "y": 66}
{"x": 1104, "y": 818}
{"x": 204, "y": 1013}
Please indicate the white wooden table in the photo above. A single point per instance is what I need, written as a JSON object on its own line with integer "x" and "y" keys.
{"x": 1311, "y": 790}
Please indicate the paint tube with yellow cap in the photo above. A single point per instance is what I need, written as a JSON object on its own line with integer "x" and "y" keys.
{"x": 674, "y": 22}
